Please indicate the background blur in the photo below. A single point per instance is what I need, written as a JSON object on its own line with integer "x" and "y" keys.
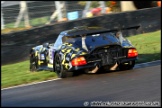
{"x": 20, "y": 15}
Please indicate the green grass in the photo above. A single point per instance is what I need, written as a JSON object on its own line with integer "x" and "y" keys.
{"x": 16, "y": 74}
{"x": 148, "y": 46}
{"x": 33, "y": 23}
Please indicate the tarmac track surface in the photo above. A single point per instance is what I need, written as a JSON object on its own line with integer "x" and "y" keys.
{"x": 139, "y": 84}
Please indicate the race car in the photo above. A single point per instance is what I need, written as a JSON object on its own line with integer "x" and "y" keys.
{"x": 85, "y": 48}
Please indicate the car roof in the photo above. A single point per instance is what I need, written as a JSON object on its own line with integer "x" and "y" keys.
{"x": 80, "y": 30}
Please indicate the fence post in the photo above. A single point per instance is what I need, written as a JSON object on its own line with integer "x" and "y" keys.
{"x": 60, "y": 12}
{"x": 2, "y": 20}
{"x": 64, "y": 11}
{"x": 88, "y": 3}
{"x": 26, "y": 16}
{"x": 102, "y": 5}
{"x": 58, "y": 8}
{"x": 23, "y": 12}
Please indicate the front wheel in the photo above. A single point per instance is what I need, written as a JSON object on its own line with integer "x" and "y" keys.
{"x": 59, "y": 68}
{"x": 127, "y": 65}
{"x": 33, "y": 63}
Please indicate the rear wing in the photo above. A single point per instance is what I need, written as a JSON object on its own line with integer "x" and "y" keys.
{"x": 115, "y": 30}
{"x": 84, "y": 32}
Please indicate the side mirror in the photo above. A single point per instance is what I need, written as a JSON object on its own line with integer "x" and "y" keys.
{"x": 118, "y": 34}
{"x": 46, "y": 45}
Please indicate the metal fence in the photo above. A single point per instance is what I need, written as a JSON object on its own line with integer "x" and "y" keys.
{"x": 28, "y": 14}
{"x": 19, "y": 15}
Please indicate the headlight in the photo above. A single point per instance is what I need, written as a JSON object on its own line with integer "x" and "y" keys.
{"x": 42, "y": 57}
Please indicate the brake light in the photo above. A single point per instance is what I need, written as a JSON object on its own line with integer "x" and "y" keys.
{"x": 132, "y": 53}
{"x": 78, "y": 61}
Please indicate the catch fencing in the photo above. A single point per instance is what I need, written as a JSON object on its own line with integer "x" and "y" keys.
{"x": 30, "y": 14}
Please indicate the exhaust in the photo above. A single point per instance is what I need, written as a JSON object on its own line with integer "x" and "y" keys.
{"x": 114, "y": 67}
{"x": 93, "y": 70}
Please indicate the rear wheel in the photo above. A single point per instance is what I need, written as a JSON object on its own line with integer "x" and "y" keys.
{"x": 59, "y": 68}
{"x": 127, "y": 65}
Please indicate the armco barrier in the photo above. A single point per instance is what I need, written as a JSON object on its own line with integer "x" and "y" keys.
{"x": 15, "y": 46}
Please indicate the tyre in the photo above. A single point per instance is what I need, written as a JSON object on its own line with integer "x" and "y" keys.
{"x": 33, "y": 63}
{"x": 58, "y": 68}
{"x": 127, "y": 65}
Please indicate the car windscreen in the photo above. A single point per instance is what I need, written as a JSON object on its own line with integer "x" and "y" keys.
{"x": 58, "y": 42}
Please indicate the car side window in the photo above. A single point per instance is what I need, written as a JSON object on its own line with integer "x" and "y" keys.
{"x": 58, "y": 42}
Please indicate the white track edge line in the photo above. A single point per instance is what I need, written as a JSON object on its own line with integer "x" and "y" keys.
{"x": 56, "y": 79}
{"x": 33, "y": 83}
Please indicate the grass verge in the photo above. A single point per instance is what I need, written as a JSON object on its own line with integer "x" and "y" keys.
{"x": 33, "y": 23}
{"x": 148, "y": 46}
{"x": 18, "y": 73}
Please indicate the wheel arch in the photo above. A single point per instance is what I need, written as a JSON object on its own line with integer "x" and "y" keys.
{"x": 31, "y": 52}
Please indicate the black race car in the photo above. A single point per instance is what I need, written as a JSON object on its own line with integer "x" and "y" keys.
{"x": 87, "y": 49}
